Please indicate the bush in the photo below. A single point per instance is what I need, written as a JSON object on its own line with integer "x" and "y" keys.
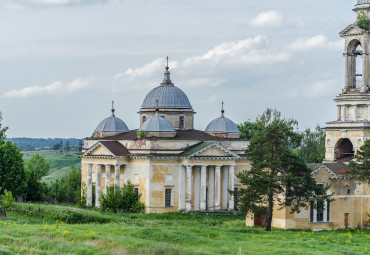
{"x": 8, "y": 199}
{"x": 362, "y": 21}
{"x": 121, "y": 200}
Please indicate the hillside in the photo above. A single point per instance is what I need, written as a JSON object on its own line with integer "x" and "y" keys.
{"x": 60, "y": 163}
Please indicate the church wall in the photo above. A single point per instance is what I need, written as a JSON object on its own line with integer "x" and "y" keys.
{"x": 173, "y": 118}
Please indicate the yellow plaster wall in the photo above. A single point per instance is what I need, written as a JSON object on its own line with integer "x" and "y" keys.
{"x": 213, "y": 151}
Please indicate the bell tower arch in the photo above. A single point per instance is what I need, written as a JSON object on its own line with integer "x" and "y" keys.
{"x": 346, "y": 134}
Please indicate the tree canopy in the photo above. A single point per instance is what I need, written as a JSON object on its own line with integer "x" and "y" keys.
{"x": 278, "y": 177}
{"x": 36, "y": 168}
{"x": 2, "y": 129}
{"x": 360, "y": 166}
{"x": 312, "y": 149}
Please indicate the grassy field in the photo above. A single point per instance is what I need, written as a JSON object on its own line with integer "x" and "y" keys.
{"x": 60, "y": 163}
{"x": 175, "y": 233}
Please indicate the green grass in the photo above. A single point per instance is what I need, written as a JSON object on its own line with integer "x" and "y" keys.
{"x": 170, "y": 233}
{"x": 60, "y": 163}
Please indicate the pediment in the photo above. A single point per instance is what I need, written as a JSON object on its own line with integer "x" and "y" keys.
{"x": 98, "y": 150}
{"x": 324, "y": 171}
{"x": 352, "y": 30}
{"x": 213, "y": 150}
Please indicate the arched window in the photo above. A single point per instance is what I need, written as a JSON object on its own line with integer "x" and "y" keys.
{"x": 343, "y": 149}
{"x": 354, "y": 64}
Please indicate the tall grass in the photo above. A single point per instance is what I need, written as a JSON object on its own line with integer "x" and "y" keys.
{"x": 170, "y": 233}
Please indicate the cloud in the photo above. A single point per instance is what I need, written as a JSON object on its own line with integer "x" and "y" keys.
{"x": 315, "y": 42}
{"x": 56, "y": 88}
{"x": 30, "y": 3}
{"x": 268, "y": 19}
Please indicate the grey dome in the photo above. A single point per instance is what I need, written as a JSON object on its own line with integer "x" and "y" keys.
{"x": 112, "y": 124}
{"x": 157, "y": 124}
{"x": 363, "y": 1}
{"x": 222, "y": 125}
{"x": 167, "y": 96}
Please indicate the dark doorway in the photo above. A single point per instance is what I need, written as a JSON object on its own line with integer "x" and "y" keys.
{"x": 346, "y": 219}
{"x": 343, "y": 149}
{"x": 260, "y": 217}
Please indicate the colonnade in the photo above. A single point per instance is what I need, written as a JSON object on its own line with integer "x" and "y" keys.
{"x": 98, "y": 174}
{"x": 220, "y": 180}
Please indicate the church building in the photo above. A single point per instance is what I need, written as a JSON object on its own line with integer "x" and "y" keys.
{"x": 344, "y": 136}
{"x": 174, "y": 166}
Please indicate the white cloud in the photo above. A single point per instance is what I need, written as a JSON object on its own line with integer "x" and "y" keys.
{"x": 25, "y": 3}
{"x": 213, "y": 98}
{"x": 315, "y": 42}
{"x": 322, "y": 88}
{"x": 56, "y": 88}
{"x": 268, "y": 19}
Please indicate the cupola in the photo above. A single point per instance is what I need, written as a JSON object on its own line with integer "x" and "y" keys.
{"x": 110, "y": 126}
{"x": 223, "y": 127}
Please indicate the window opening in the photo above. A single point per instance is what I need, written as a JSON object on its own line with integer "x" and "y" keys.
{"x": 168, "y": 197}
{"x": 181, "y": 121}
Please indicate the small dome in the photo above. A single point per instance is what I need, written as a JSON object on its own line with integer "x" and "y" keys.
{"x": 222, "y": 125}
{"x": 112, "y": 124}
{"x": 157, "y": 124}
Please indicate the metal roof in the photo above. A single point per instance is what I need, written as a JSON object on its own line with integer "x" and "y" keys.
{"x": 157, "y": 124}
{"x": 112, "y": 124}
{"x": 363, "y": 1}
{"x": 222, "y": 125}
{"x": 167, "y": 96}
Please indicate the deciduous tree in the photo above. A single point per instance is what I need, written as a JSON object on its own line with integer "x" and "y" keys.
{"x": 36, "y": 168}
{"x": 312, "y": 149}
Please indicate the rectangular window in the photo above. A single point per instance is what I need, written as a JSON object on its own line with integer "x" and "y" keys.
{"x": 181, "y": 121}
{"x": 137, "y": 192}
{"x": 168, "y": 197}
{"x": 328, "y": 211}
{"x": 311, "y": 211}
{"x": 320, "y": 212}
{"x": 144, "y": 119}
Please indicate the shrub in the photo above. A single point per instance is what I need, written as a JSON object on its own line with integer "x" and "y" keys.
{"x": 362, "y": 21}
{"x": 121, "y": 200}
{"x": 8, "y": 198}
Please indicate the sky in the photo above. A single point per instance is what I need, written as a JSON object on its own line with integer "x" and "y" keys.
{"x": 62, "y": 62}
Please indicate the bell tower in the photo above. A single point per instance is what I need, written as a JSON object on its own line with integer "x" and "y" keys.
{"x": 347, "y": 133}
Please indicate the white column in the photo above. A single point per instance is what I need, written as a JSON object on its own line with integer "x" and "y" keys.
{"x": 339, "y": 112}
{"x": 182, "y": 188}
{"x": 231, "y": 187}
{"x": 346, "y": 71}
{"x": 355, "y": 112}
{"x": 225, "y": 185}
{"x": 197, "y": 188}
{"x": 188, "y": 188}
{"x": 127, "y": 173}
{"x": 107, "y": 177}
{"x": 203, "y": 186}
{"x": 217, "y": 188}
{"x": 315, "y": 212}
{"x": 325, "y": 218}
{"x": 89, "y": 185}
{"x": 117, "y": 172}
{"x": 211, "y": 190}
{"x": 98, "y": 186}
{"x": 343, "y": 113}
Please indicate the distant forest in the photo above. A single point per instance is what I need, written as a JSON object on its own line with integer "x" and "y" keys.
{"x": 32, "y": 144}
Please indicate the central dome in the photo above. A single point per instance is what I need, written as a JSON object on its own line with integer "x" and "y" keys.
{"x": 166, "y": 96}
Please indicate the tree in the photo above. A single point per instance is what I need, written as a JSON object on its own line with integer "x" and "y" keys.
{"x": 12, "y": 173}
{"x": 277, "y": 177}
{"x": 312, "y": 149}
{"x": 360, "y": 166}
{"x": 67, "y": 189}
{"x": 362, "y": 21}
{"x": 2, "y": 129}
{"x": 247, "y": 129}
{"x": 36, "y": 168}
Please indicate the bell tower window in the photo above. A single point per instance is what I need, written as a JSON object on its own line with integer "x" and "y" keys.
{"x": 181, "y": 122}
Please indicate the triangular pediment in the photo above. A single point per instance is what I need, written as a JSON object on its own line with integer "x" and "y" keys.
{"x": 324, "y": 170}
{"x": 98, "y": 150}
{"x": 211, "y": 150}
{"x": 352, "y": 29}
